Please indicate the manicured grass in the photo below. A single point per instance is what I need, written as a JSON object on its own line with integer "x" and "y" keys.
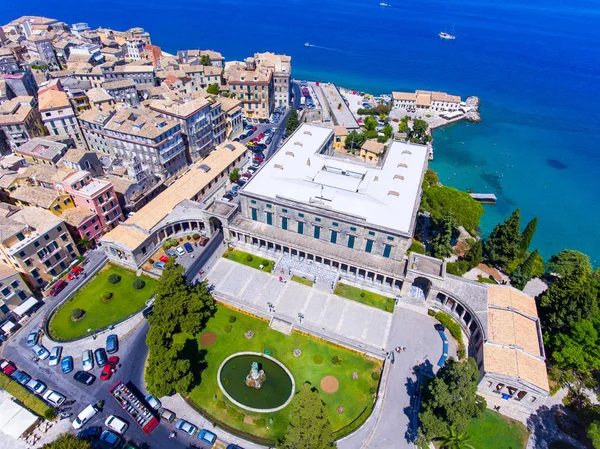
{"x": 494, "y": 431}
{"x": 365, "y": 297}
{"x": 254, "y": 262}
{"x": 98, "y": 314}
{"x": 353, "y": 394}
{"x": 306, "y": 282}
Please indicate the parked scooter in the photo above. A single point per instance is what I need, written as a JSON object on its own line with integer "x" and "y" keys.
{"x": 65, "y": 415}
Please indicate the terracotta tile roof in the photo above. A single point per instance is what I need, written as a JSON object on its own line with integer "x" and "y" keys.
{"x": 76, "y": 217}
{"x": 37, "y": 196}
{"x": 503, "y": 296}
{"x": 500, "y": 360}
{"x": 139, "y": 122}
{"x": 372, "y": 146}
{"x": 404, "y": 96}
{"x": 53, "y": 99}
{"x": 98, "y": 95}
{"x": 119, "y": 84}
{"x": 180, "y": 108}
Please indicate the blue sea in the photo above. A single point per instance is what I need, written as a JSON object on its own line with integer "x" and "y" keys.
{"x": 534, "y": 64}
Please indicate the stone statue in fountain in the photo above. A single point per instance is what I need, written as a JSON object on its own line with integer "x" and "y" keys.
{"x": 256, "y": 378}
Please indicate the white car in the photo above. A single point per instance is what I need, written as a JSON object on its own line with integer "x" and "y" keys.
{"x": 40, "y": 352}
{"x": 180, "y": 251}
{"x": 55, "y": 355}
{"x": 87, "y": 360}
{"x": 116, "y": 424}
{"x": 36, "y": 386}
{"x": 54, "y": 398}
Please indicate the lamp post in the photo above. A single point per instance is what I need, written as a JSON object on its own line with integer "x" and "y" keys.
{"x": 300, "y": 316}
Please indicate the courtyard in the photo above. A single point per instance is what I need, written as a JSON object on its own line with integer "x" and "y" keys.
{"x": 99, "y": 312}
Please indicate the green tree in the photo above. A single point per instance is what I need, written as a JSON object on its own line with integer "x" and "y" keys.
{"x": 370, "y": 123}
{"x": 213, "y": 89}
{"x": 455, "y": 440}
{"x": 593, "y": 433}
{"x": 503, "y": 244}
{"x": 199, "y": 307}
{"x": 538, "y": 267}
{"x": 441, "y": 246}
{"x": 292, "y": 122}
{"x": 474, "y": 254}
{"x": 354, "y": 140}
{"x": 439, "y": 200}
{"x": 85, "y": 242}
{"x": 569, "y": 300}
{"x": 387, "y": 131}
{"x": 523, "y": 274}
{"x": 567, "y": 261}
{"x": 431, "y": 178}
{"x": 527, "y": 235}
{"x": 68, "y": 441}
{"x": 205, "y": 60}
{"x": 450, "y": 400}
{"x": 578, "y": 349}
{"x": 234, "y": 175}
{"x": 419, "y": 127}
{"x": 309, "y": 426}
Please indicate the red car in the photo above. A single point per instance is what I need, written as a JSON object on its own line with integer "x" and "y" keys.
{"x": 204, "y": 241}
{"x": 164, "y": 259}
{"x": 7, "y": 367}
{"x": 58, "y": 287}
{"x": 259, "y": 159}
{"x": 109, "y": 368}
{"x": 75, "y": 272}
{"x": 247, "y": 175}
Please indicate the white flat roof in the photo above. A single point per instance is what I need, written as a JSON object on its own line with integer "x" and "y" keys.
{"x": 384, "y": 196}
{"x": 24, "y": 307}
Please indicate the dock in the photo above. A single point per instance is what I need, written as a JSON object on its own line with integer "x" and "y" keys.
{"x": 484, "y": 198}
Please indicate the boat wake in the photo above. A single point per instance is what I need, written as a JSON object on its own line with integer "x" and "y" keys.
{"x": 326, "y": 48}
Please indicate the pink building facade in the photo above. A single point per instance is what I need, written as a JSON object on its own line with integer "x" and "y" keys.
{"x": 83, "y": 224}
{"x": 96, "y": 195}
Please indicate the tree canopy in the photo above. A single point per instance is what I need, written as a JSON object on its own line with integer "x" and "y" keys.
{"x": 213, "y": 89}
{"x": 524, "y": 272}
{"x": 370, "y": 123}
{"x": 292, "y": 122}
{"x": 354, "y": 140}
{"x": 567, "y": 261}
{"x": 578, "y": 349}
{"x": 68, "y": 441}
{"x": 205, "y": 60}
{"x": 309, "y": 425}
{"x": 503, "y": 245}
{"x": 527, "y": 235}
{"x": 450, "y": 400}
{"x": 441, "y": 246}
{"x": 439, "y": 200}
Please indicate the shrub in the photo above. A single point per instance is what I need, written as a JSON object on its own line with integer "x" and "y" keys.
{"x": 170, "y": 243}
{"x": 457, "y": 268}
{"x": 196, "y": 236}
{"x": 107, "y": 296}
{"x": 318, "y": 359}
{"x": 336, "y": 360}
{"x": 225, "y": 255}
{"x": 455, "y": 330}
{"x": 49, "y": 414}
{"x": 228, "y": 328}
{"x": 416, "y": 247}
{"x": 240, "y": 417}
{"x": 389, "y": 308}
{"x": 372, "y": 390}
{"x": 77, "y": 314}
{"x": 138, "y": 284}
{"x": 230, "y": 249}
{"x": 221, "y": 405}
{"x": 189, "y": 238}
{"x": 375, "y": 375}
{"x": 232, "y": 319}
{"x": 265, "y": 262}
{"x": 431, "y": 312}
{"x": 261, "y": 422}
{"x": 114, "y": 278}
{"x": 249, "y": 258}
{"x": 363, "y": 294}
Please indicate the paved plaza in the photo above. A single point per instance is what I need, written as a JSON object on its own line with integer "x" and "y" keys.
{"x": 322, "y": 310}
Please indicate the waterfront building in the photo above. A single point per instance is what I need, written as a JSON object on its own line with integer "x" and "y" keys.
{"x": 42, "y": 151}
{"x": 135, "y": 49}
{"x": 13, "y": 290}
{"x": 253, "y": 86}
{"x": 20, "y": 121}
{"x": 187, "y": 206}
{"x": 194, "y": 57}
{"x": 58, "y": 115}
{"x": 95, "y": 195}
{"x": 45, "y": 198}
{"x": 36, "y": 243}
{"x": 281, "y": 65}
{"x": 146, "y": 143}
{"x": 79, "y": 27}
{"x": 424, "y": 99}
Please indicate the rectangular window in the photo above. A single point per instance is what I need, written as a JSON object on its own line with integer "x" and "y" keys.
{"x": 20, "y": 236}
{"x": 284, "y": 211}
{"x": 301, "y": 215}
{"x": 387, "y": 250}
{"x": 269, "y": 218}
{"x": 254, "y": 215}
{"x": 317, "y": 219}
{"x": 284, "y": 223}
{"x": 390, "y": 238}
{"x": 317, "y": 233}
{"x": 334, "y": 224}
{"x": 369, "y": 246}
{"x": 36, "y": 244}
{"x": 253, "y": 201}
{"x": 334, "y": 236}
{"x": 350, "y": 241}
{"x": 268, "y": 206}
{"x": 371, "y": 233}
{"x": 34, "y": 273}
{"x": 353, "y": 229}
{"x": 300, "y": 227}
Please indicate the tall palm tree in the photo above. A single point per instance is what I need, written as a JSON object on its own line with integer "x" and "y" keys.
{"x": 85, "y": 242}
{"x": 455, "y": 440}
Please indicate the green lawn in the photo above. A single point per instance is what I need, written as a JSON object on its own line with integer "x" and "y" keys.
{"x": 306, "y": 282}
{"x": 494, "y": 431}
{"x": 365, "y": 297}
{"x": 254, "y": 262}
{"x": 98, "y": 314}
{"x": 355, "y": 395}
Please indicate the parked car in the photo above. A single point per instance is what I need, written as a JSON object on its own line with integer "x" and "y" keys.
{"x": 234, "y": 446}
{"x": 75, "y": 272}
{"x": 180, "y": 251}
{"x": 7, "y": 367}
{"x": 58, "y": 287}
{"x": 240, "y": 182}
{"x": 252, "y": 168}
{"x": 36, "y": 386}
{"x": 188, "y": 247}
{"x": 160, "y": 265}
{"x": 171, "y": 252}
{"x": 153, "y": 402}
{"x": 186, "y": 427}
{"x": 109, "y": 368}
{"x": 112, "y": 343}
{"x": 116, "y": 424}
{"x": 22, "y": 377}
{"x": 207, "y": 437}
{"x": 33, "y": 338}
{"x": 55, "y": 354}
{"x": 87, "y": 360}
{"x": 110, "y": 438}
{"x": 167, "y": 415}
{"x": 86, "y": 414}
{"x": 203, "y": 241}
{"x": 53, "y": 398}
{"x": 90, "y": 432}
{"x": 100, "y": 356}
{"x": 66, "y": 365}
{"x": 235, "y": 188}
{"x": 247, "y": 175}
{"x": 40, "y": 352}
{"x": 84, "y": 378}
{"x": 164, "y": 259}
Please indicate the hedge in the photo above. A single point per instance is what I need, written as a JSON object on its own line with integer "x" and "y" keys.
{"x": 29, "y": 400}
{"x": 455, "y": 330}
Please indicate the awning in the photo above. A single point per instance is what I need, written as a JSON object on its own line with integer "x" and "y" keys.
{"x": 15, "y": 420}
{"x": 25, "y": 307}
{"x": 8, "y": 327}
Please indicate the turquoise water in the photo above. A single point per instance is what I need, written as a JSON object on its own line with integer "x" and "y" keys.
{"x": 534, "y": 64}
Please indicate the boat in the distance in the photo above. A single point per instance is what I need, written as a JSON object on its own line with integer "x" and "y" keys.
{"x": 306, "y": 44}
{"x": 447, "y": 36}
{"x": 385, "y": 4}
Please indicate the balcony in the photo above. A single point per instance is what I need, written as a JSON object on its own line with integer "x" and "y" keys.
{"x": 56, "y": 262}
{"x": 49, "y": 254}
